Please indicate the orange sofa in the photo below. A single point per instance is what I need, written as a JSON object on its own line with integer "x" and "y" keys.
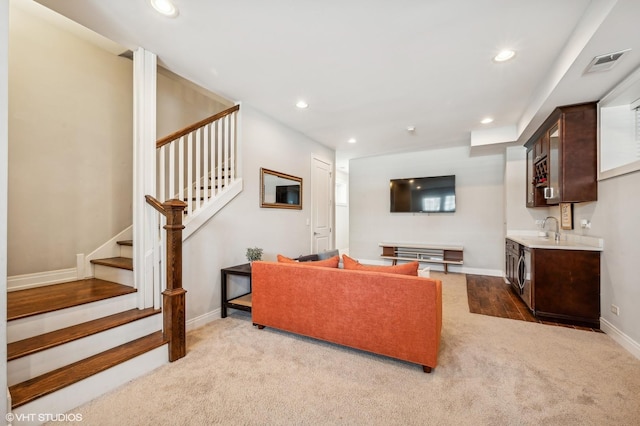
{"x": 399, "y": 316}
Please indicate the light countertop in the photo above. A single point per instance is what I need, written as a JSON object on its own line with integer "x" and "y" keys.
{"x": 567, "y": 242}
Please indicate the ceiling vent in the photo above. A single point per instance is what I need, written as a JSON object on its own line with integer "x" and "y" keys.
{"x": 605, "y": 62}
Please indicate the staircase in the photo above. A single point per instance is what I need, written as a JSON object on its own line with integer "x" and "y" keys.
{"x": 72, "y": 342}
{"x": 68, "y": 342}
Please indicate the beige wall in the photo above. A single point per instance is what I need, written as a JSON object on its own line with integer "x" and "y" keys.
{"x": 70, "y": 150}
{"x": 70, "y": 153}
{"x": 477, "y": 223}
{"x": 224, "y": 239}
{"x": 181, "y": 103}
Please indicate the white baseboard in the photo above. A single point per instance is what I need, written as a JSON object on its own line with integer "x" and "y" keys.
{"x": 39, "y": 279}
{"x": 620, "y": 338}
{"x": 480, "y": 271}
{"x": 83, "y": 269}
{"x": 204, "y": 319}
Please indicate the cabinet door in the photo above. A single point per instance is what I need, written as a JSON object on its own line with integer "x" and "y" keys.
{"x": 541, "y": 148}
{"x": 512, "y": 256}
{"x": 552, "y": 191}
{"x": 579, "y": 155}
{"x": 567, "y": 285}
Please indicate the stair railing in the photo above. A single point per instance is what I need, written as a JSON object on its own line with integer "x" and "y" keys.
{"x": 195, "y": 166}
{"x": 173, "y": 296}
{"x": 197, "y": 163}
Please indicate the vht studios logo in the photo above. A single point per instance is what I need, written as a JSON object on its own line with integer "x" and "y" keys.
{"x": 43, "y": 417}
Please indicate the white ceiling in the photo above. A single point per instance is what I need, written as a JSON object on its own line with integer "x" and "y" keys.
{"x": 370, "y": 68}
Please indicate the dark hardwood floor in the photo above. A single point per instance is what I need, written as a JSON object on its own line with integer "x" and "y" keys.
{"x": 491, "y": 296}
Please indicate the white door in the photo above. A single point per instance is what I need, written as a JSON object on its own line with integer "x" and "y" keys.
{"x": 321, "y": 206}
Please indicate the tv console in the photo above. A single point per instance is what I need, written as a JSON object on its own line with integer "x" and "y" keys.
{"x": 428, "y": 253}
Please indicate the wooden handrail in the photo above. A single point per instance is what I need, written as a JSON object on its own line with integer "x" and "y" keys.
{"x": 155, "y": 204}
{"x": 167, "y": 139}
{"x": 174, "y": 299}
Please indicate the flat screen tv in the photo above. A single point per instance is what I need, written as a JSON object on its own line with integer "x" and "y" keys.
{"x": 288, "y": 194}
{"x": 435, "y": 194}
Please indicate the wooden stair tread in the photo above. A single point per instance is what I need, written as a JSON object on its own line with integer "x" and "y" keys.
{"x": 39, "y": 300}
{"x": 55, "y": 380}
{"x": 125, "y": 243}
{"x": 115, "y": 262}
{"x": 45, "y": 341}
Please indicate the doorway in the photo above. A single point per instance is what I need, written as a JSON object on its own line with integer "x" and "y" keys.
{"x": 321, "y": 205}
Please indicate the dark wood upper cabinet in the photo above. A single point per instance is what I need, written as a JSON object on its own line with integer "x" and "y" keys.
{"x": 562, "y": 157}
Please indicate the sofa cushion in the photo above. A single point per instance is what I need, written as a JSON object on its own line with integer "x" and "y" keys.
{"x": 410, "y": 268}
{"x": 307, "y": 258}
{"x": 327, "y": 254}
{"x": 331, "y": 262}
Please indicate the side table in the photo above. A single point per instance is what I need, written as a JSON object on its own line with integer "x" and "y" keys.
{"x": 242, "y": 302}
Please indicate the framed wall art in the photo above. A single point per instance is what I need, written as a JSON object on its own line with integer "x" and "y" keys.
{"x": 566, "y": 215}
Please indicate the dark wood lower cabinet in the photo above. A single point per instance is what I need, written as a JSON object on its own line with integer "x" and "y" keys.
{"x": 566, "y": 285}
{"x": 512, "y": 258}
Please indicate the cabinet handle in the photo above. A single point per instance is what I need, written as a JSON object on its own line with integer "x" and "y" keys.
{"x": 520, "y": 276}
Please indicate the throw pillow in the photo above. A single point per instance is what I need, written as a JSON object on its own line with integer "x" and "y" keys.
{"x": 285, "y": 259}
{"x": 331, "y": 262}
{"x": 410, "y": 268}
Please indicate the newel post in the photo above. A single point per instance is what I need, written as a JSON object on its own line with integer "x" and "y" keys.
{"x": 174, "y": 298}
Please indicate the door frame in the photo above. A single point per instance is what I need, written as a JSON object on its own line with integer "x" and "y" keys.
{"x": 313, "y": 199}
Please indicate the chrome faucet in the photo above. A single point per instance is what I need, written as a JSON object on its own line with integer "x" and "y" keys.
{"x": 557, "y": 233}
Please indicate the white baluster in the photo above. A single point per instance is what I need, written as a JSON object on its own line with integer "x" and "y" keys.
{"x": 205, "y": 161}
{"x": 161, "y": 170}
{"x": 198, "y": 178}
{"x": 226, "y": 151}
{"x": 232, "y": 141}
{"x": 219, "y": 162}
{"x": 181, "y": 169}
{"x": 172, "y": 171}
{"x": 189, "y": 179}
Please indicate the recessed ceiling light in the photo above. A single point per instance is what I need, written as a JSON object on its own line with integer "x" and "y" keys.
{"x": 486, "y": 120}
{"x": 504, "y": 55}
{"x": 411, "y": 129}
{"x": 302, "y": 104}
{"x": 165, "y": 7}
{"x": 352, "y": 140}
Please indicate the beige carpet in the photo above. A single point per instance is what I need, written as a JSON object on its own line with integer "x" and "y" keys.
{"x": 492, "y": 371}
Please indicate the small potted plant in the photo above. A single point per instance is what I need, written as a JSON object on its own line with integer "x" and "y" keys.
{"x": 254, "y": 254}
